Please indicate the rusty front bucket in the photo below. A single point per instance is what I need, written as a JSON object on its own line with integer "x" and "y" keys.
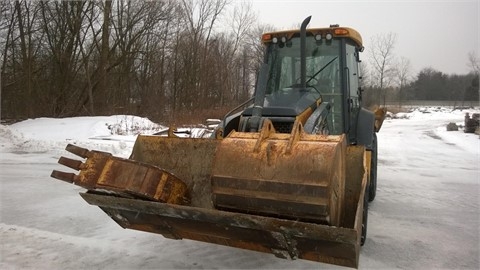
{"x": 293, "y": 195}
{"x": 294, "y": 176}
{"x": 285, "y": 238}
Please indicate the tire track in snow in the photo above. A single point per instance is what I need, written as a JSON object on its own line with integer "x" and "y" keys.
{"x": 39, "y": 249}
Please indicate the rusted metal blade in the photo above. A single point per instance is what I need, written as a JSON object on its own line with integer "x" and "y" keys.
{"x": 76, "y": 150}
{"x": 71, "y": 163}
{"x": 284, "y": 238}
{"x": 64, "y": 176}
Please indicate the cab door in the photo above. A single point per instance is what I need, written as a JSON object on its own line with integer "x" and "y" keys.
{"x": 353, "y": 102}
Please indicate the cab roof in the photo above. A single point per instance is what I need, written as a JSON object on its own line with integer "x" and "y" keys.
{"x": 345, "y": 32}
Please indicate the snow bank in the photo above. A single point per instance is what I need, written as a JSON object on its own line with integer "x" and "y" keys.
{"x": 438, "y": 118}
{"x": 114, "y": 134}
{"x": 117, "y": 133}
{"x": 429, "y": 113}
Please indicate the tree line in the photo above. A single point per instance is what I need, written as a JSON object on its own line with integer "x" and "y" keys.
{"x": 170, "y": 60}
{"x": 156, "y": 58}
{"x": 428, "y": 85}
{"x": 388, "y": 78}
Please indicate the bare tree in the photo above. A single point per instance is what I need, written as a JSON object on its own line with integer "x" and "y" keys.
{"x": 62, "y": 25}
{"x": 201, "y": 17}
{"x": 241, "y": 23}
{"x": 474, "y": 62}
{"x": 22, "y": 38}
{"x": 26, "y": 16}
{"x": 7, "y": 19}
{"x": 6, "y": 29}
{"x": 104, "y": 53}
{"x": 382, "y": 60}
{"x": 402, "y": 74}
{"x": 255, "y": 45}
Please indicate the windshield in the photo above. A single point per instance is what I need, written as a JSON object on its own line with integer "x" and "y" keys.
{"x": 322, "y": 70}
{"x": 322, "y": 59}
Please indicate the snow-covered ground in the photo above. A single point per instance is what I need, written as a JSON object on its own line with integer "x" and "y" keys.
{"x": 426, "y": 214}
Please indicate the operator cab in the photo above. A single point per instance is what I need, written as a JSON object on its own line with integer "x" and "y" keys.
{"x": 331, "y": 67}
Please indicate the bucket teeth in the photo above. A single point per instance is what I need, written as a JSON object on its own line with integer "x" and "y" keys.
{"x": 71, "y": 163}
{"x": 79, "y": 151}
{"x": 64, "y": 176}
{"x": 124, "y": 177}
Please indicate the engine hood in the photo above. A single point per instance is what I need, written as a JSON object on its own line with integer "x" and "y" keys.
{"x": 288, "y": 102}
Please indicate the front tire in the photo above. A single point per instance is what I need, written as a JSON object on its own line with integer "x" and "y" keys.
{"x": 372, "y": 192}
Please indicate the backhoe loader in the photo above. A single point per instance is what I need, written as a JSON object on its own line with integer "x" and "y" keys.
{"x": 289, "y": 172}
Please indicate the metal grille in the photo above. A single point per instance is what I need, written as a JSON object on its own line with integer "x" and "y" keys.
{"x": 283, "y": 127}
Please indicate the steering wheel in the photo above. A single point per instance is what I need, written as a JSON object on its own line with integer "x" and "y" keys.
{"x": 309, "y": 78}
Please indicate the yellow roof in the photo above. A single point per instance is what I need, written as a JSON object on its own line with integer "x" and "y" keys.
{"x": 335, "y": 31}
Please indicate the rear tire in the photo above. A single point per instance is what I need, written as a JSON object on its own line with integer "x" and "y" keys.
{"x": 365, "y": 217}
{"x": 372, "y": 192}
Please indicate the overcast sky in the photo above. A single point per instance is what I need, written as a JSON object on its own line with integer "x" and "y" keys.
{"x": 436, "y": 34}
